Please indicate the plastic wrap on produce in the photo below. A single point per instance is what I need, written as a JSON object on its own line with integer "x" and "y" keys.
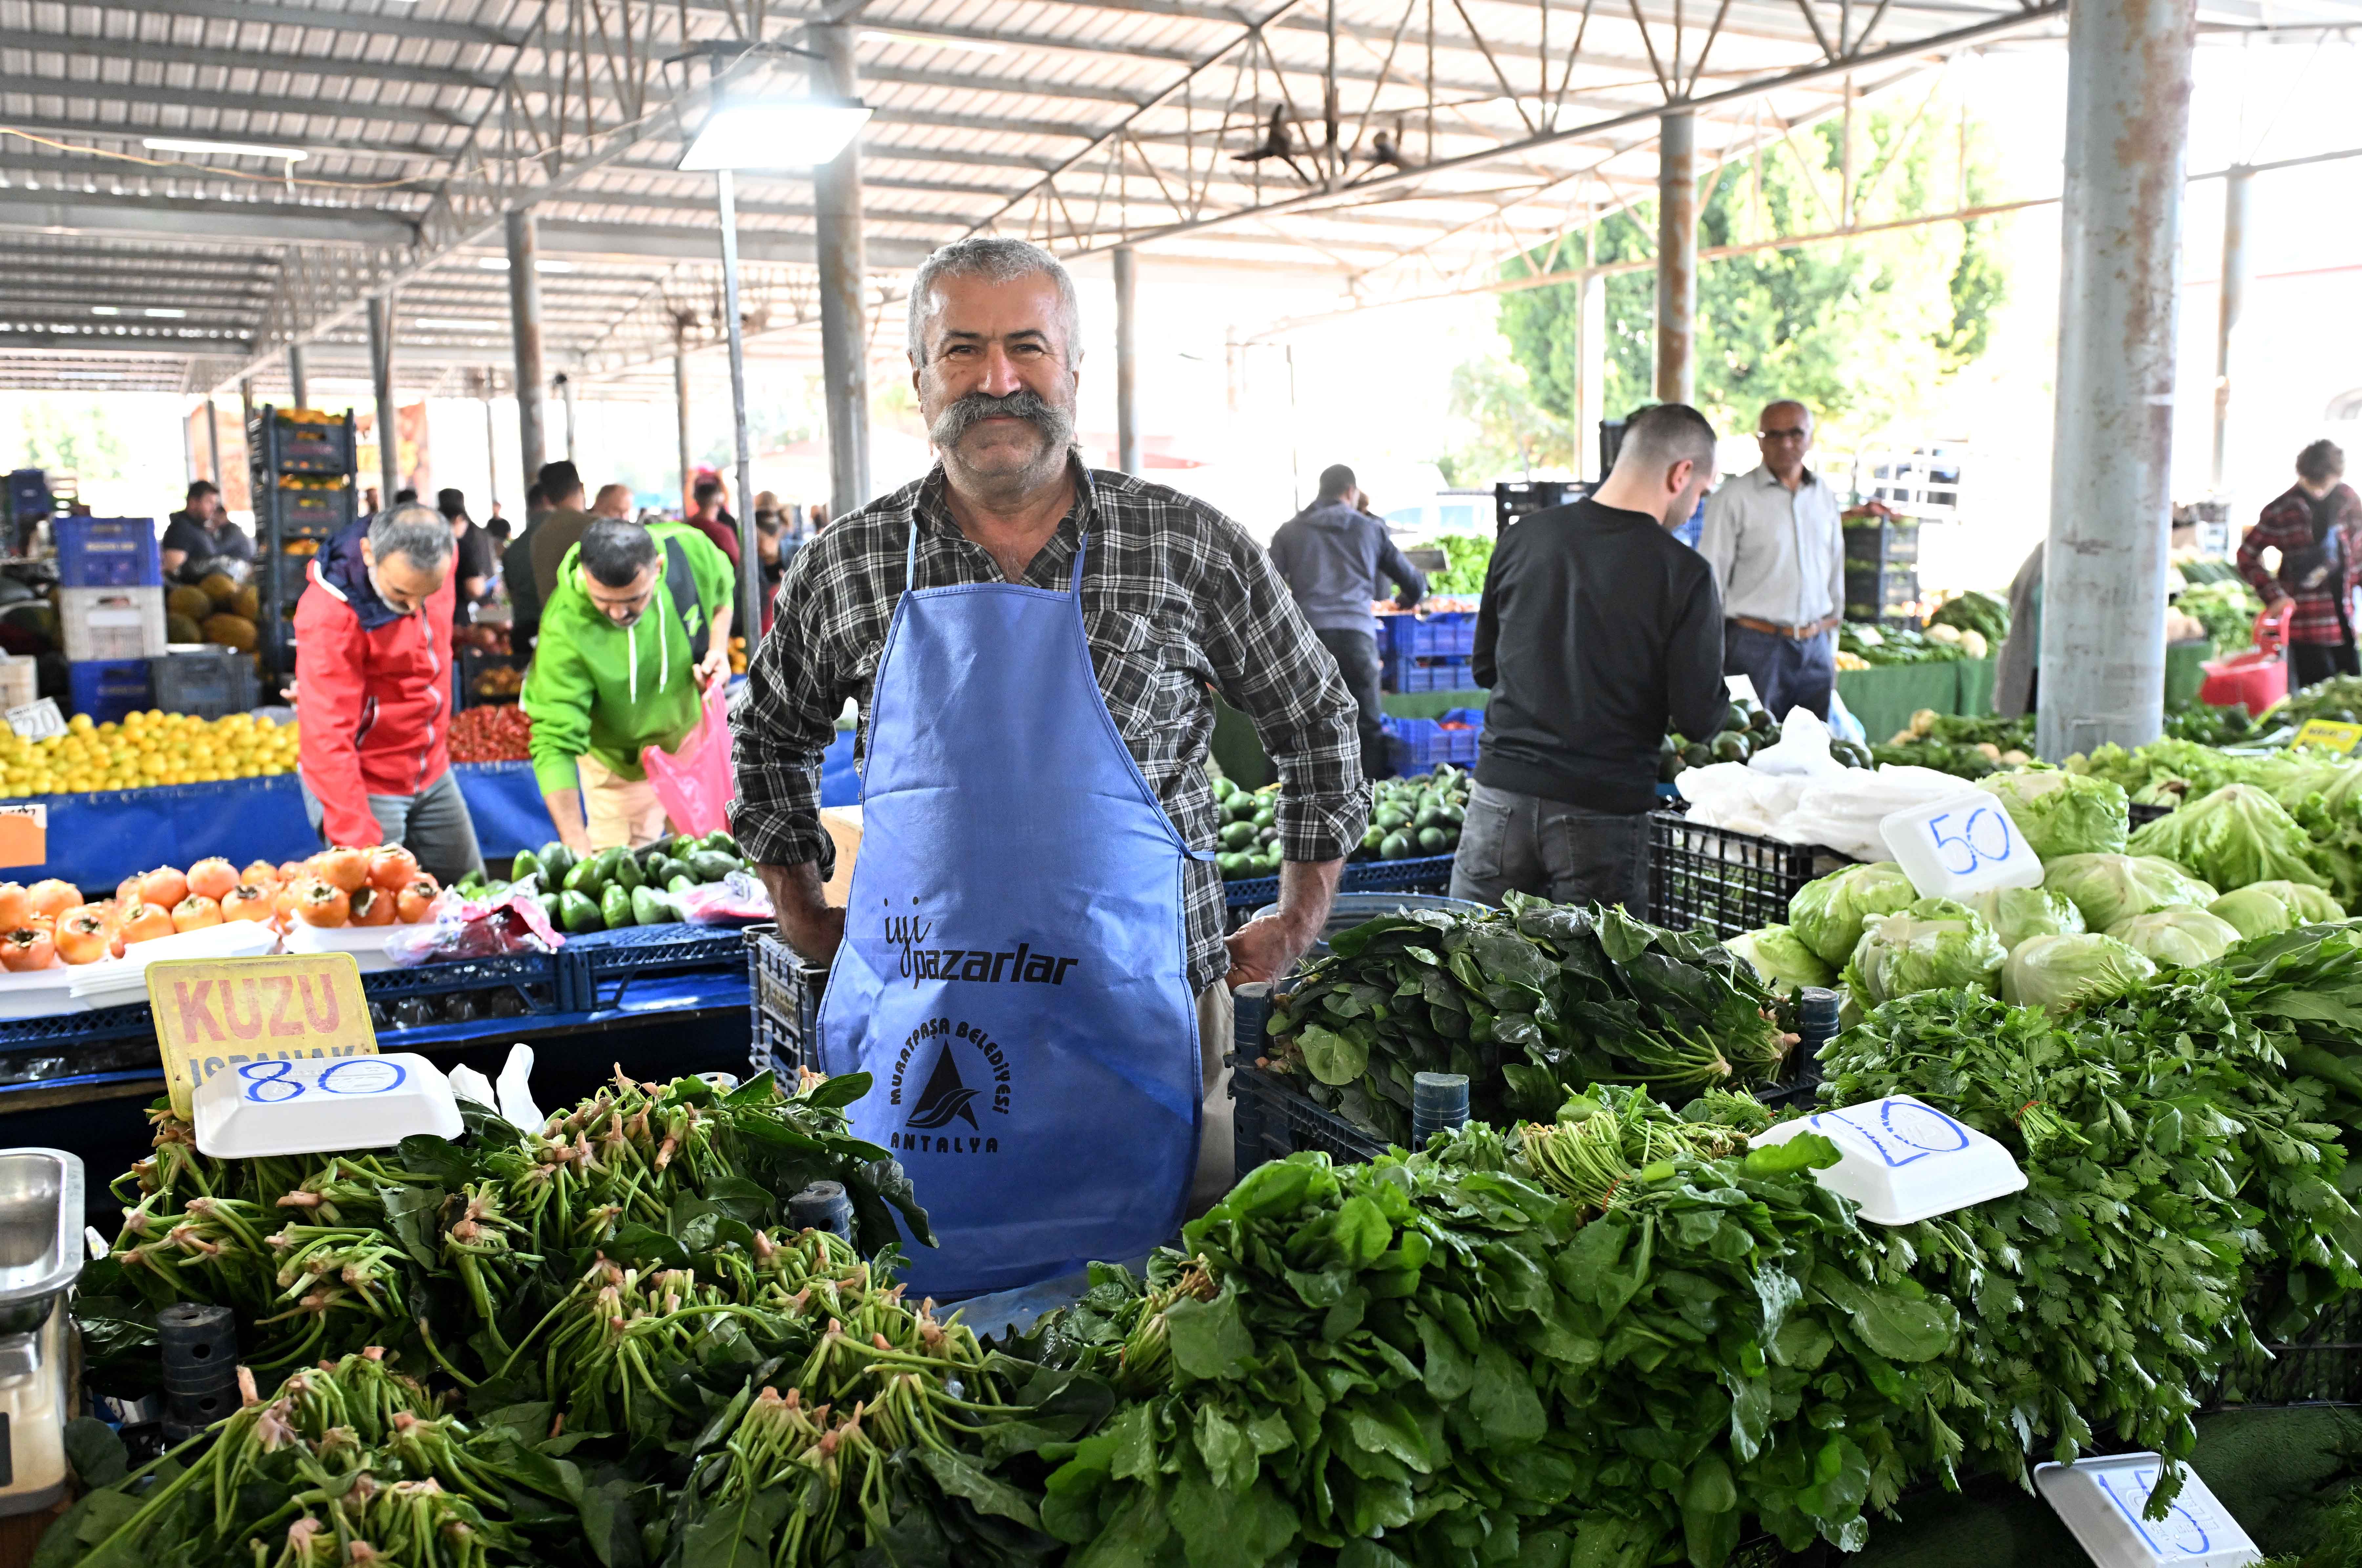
{"x": 1840, "y": 811}
{"x": 460, "y": 927}
{"x": 739, "y": 898}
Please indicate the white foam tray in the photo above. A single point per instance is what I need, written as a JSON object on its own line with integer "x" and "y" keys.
{"x": 366, "y": 943}
{"x": 307, "y": 1105}
{"x": 2102, "y": 1501}
{"x": 117, "y": 982}
{"x": 1903, "y": 1160}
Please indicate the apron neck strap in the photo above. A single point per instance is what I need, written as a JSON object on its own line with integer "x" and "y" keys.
{"x": 1082, "y": 544}
{"x": 910, "y": 557}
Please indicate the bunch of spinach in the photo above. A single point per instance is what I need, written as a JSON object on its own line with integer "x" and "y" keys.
{"x": 1528, "y": 1001}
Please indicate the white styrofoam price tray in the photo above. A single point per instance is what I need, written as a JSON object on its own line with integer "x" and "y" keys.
{"x": 1903, "y": 1160}
{"x": 39, "y": 993}
{"x": 308, "y": 1104}
{"x": 117, "y": 982}
{"x": 2105, "y": 1503}
{"x": 1961, "y": 845}
{"x": 365, "y": 943}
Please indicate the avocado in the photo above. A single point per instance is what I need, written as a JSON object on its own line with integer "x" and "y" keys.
{"x": 580, "y": 913}
{"x": 712, "y": 865}
{"x": 1398, "y": 847}
{"x": 584, "y": 878}
{"x": 1430, "y": 841}
{"x": 615, "y": 906}
{"x": 1237, "y": 835}
{"x": 527, "y": 864}
{"x": 1730, "y": 746}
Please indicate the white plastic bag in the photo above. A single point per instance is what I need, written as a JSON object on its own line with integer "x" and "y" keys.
{"x": 1801, "y": 752}
{"x": 1733, "y": 795}
{"x": 1843, "y": 813}
{"x": 1842, "y": 723}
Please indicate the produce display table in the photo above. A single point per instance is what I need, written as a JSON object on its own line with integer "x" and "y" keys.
{"x": 1885, "y": 696}
{"x": 1238, "y": 750}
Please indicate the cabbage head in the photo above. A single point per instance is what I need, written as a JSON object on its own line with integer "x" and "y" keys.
{"x": 2057, "y": 973}
{"x": 2255, "y": 910}
{"x": 1828, "y": 913}
{"x": 2016, "y": 913}
{"x": 2062, "y": 813}
{"x": 2235, "y": 836}
{"x": 1781, "y": 957}
{"x": 1934, "y": 944}
{"x": 2176, "y": 937}
{"x": 2310, "y": 905}
{"x": 2110, "y": 887}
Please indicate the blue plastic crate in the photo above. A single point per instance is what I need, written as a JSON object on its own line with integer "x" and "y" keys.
{"x": 1431, "y": 675}
{"x": 106, "y": 689}
{"x": 107, "y": 552}
{"x": 1445, "y": 633}
{"x": 1421, "y": 746}
{"x": 1426, "y": 873}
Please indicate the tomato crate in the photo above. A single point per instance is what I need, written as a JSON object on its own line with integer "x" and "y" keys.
{"x": 1421, "y": 746}
{"x": 1445, "y": 633}
{"x": 1729, "y": 882}
{"x": 785, "y": 1004}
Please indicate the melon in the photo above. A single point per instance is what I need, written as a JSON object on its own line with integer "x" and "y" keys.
{"x": 194, "y": 602}
{"x": 231, "y": 632}
{"x": 248, "y": 603}
{"x": 181, "y": 629}
{"x": 220, "y": 587}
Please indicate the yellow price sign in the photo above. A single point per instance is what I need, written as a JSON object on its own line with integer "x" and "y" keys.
{"x": 213, "y": 1013}
{"x": 2338, "y": 737}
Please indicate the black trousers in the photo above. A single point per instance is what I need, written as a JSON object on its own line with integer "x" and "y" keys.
{"x": 2310, "y": 663}
{"x": 1356, "y": 653}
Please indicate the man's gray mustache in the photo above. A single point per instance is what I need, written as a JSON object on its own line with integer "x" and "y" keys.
{"x": 976, "y": 407}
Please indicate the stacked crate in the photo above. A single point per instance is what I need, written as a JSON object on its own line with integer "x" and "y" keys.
{"x": 303, "y": 466}
{"x": 1882, "y": 575}
{"x": 110, "y": 611}
{"x": 1428, "y": 652}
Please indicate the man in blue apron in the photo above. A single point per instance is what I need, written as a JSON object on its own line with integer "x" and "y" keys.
{"x": 1030, "y": 961}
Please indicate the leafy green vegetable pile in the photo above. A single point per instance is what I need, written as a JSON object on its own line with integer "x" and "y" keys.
{"x": 1956, "y": 744}
{"x": 1467, "y": 558}
{"x": 2226, "y": 608}
{"x": 1876, "y": 644}
{"x": 2338, "y": 698}
{"x": 1528, "y": 1001}
{"x": 1976, "y": 611}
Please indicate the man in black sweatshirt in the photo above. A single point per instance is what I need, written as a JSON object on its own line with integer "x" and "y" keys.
{"x": 1600, "y": 631}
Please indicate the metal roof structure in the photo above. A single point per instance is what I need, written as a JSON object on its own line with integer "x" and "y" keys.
{"x": 1393, "y": 145}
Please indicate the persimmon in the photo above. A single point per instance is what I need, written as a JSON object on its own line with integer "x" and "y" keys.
{"x": 144, "y": 922}
{"x": 126, "y": 892}
{"x": 343, "y": 868}
{"x": 291, "y": 869}
{"x": 322, "y": 903}
{"x": 259, "y": 874}
{"x": 246, "y": 901}
{"x": 25, "y": 948}
{"x": 53, "y": 897}
{"x": 166, "y": 885}
{"x": 212, "y": 878}
{"x": 390, "y": 866}
{"x": 417, "y": 899}
{"x": 196, "y": 913}
{"x": 82, "y": 935}
{"x": 372, "y": 906}
{"x": 15, "y": 905}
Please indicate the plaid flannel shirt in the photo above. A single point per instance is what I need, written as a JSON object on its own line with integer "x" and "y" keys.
{"x": 1178, "y": 604}
{"x": 2287, "y": 524}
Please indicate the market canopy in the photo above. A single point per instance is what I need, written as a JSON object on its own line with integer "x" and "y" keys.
{"x": 1394, "y": 146}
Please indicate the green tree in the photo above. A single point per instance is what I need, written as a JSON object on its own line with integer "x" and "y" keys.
{"x": 1863, "y": 330}
{"x": 70, "y": 436}
{"x": 1507, "y": 430}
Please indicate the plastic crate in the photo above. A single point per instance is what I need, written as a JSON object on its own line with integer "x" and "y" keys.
{"x": 111, "y": 622}
{"x": 1880, "y": 545}
{"x": 307, "y": 513}
{"x": 1446, "y": 633}
{"x": 1271, "y": 1119}
{"x": 107, "y": 688}
{"x": 595, "y": 969}
{"x": 785, "y": 1004}
{"x": 20, "y": 681}
{"x": 107, "y": 552}
{"x": 301, "y": 441}
{"x": 514, "y": 985}
{"x": 1729, "y": 882}
{"x": 1512, "y": 499}
{"x": 209, "y": 685}
{"x": 1421, "y": 746}
{"x": 1872, "y": 595}
{"x": 2142, "y": 814}
{"x": 1430, "y": 674}
{"x": 1427, "y": 874}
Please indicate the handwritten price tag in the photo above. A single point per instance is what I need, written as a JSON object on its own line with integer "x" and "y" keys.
{"x": 218, "y": 1015}
{"x": 39, "y": 720}
{"x": 2337, "y": 737}
{"x": 1964, "y": 844}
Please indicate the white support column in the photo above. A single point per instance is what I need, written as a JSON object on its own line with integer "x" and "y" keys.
{"x": 2232, "y": 299}
{"x": 524, "y": 329}
{"x": 1127, "y": 361}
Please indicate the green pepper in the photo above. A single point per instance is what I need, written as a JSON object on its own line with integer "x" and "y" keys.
{"x": 615, "y": 906}
{"x": 580, "y": 914}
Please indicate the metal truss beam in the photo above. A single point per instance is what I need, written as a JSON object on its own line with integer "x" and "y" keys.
{"x": 383, "y": 24}
{"x": 68, "y": 90}
{"x": 162, "y": 218}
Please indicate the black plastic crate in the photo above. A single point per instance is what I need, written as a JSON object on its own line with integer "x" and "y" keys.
{"x": 209, "y": 685}
{"x": 2143, "y": 815}
{"x": 2323, "y": 1365}
{"x": 785, "y": 1003}
{"x": 1271, "y": 1119}
{"x": 306, "y": 512}
{"x": 1872, "y": 594}
{"x": 1882, "y": 544}
{"x": 301, "y": 441}
{"x": 1729, "y": 882}
{"x": 1512, "y": 499}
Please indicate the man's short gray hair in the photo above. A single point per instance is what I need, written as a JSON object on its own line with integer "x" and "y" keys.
{"x": 1003, "y": 260}
{"x": 409, "y": 529}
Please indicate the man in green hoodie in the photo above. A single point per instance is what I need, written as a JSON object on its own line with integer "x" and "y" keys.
{"x": 637, "y": 626}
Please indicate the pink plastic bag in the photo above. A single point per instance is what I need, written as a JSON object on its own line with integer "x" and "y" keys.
{"x": 693, "y": 784}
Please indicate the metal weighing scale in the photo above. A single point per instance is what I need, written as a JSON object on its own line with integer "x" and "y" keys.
{"x": 40, "y": 1257}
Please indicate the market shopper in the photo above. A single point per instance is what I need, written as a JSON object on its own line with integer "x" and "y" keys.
{"x": 1032, "y": 959}
{"x": 638, "y": 627}
{"x": 1775, "y": 538}
{"x": 199, "y": 534}
{"x": 710, "y": 516}
{"x": 1599, "y": 632}
{"x": 372, "y": 692}
{"x": 1336, "y": 558}
{"x": 474, "y": 564}
{"x": 2316, "y": 526}
{"x": 560, "y": 528}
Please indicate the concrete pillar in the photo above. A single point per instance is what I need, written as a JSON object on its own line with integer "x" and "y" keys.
{"x": 1591, "y": 373}
{"x": 680, "y": 412}
{"x": 213, "y": 447}
{"x": 750, "y": 564}
{"x": 492, "y": 449}
{"x": 524, "y": 329}
{"x": 2232, "y": 298}
{"x": 298, "y": 394}
{"x": 844, "y": 323}
{"x": 381, "y": 343}
{"x": 1127, "y": 362}
{"x": 2128, "y": 84}
{"x": 566, "y": 390}
{"x": 1676, "y": 256}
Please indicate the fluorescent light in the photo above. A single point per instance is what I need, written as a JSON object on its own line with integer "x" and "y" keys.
{"x": 162, "y": 314}
{"x": 541, "y": 264}
{"x": 452, "y": 324}
{"x": 105, "y": 310}
{"x": 780, "y": 133}
{"x": 230, "y": 149}
{"x": 926, "y": 40}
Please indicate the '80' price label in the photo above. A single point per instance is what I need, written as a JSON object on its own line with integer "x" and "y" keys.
{"x": 1964, "y": 844}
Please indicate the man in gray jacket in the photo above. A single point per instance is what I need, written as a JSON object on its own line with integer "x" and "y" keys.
{"x": 1336, "y": 558}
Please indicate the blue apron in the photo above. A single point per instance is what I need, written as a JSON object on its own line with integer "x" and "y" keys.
{"x": 1013, "y": 972}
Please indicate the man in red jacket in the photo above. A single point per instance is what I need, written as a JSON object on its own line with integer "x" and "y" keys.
{"x": 372, "y": 692}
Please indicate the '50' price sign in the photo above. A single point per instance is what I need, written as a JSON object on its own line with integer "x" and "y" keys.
{"x": 1964, "y": 844}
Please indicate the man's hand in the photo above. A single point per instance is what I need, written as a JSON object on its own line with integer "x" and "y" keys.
{"x": 566, "y": 817}
{"x": 1264, "y": 947}
{"x": 806, "y": 919}
{"x": 715, "y": 665}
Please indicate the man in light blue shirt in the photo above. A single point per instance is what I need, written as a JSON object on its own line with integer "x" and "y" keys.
{"x": 1335, "y": 558}
{"x": 1776, "y": 541}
